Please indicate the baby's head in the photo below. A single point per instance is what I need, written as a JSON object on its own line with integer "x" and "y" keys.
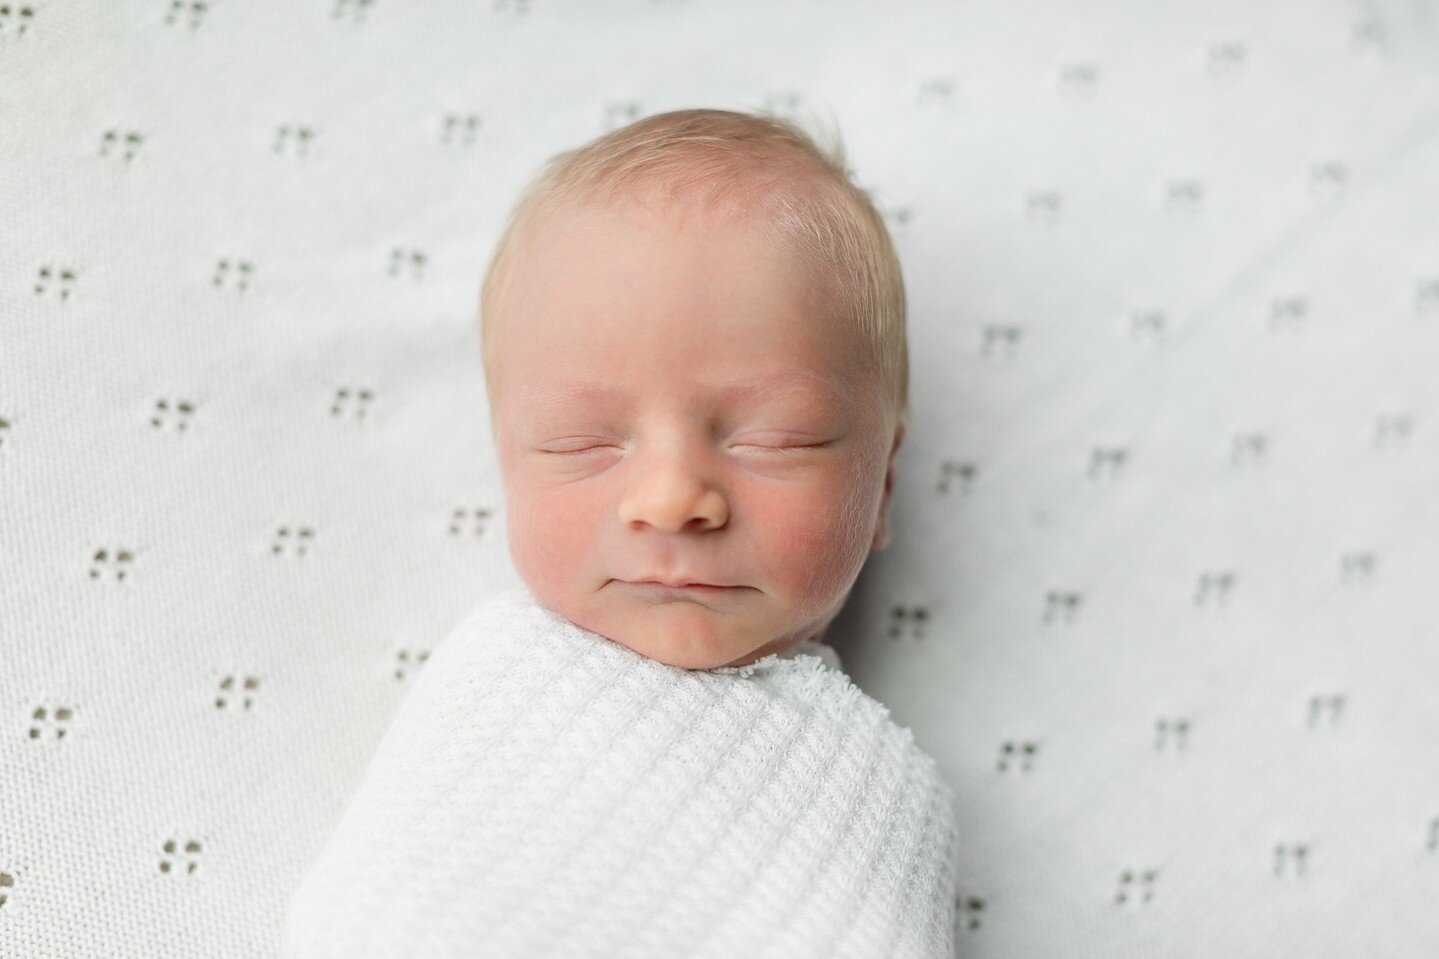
{"x": 693, "y": 337}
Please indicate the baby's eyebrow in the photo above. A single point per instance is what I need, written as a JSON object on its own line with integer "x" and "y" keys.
{"x": 791, "y": 382}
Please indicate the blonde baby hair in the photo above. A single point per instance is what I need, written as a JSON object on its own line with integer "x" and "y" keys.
{"x": 725, "y": 157}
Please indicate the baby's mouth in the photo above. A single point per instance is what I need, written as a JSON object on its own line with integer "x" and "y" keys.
{"x": 696, "y": 589}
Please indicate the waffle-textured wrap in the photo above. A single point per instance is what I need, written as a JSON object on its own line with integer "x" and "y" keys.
{"x": 545, "y": 791}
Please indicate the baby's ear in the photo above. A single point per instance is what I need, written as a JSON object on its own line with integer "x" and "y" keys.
{"x": 881, "y": 530}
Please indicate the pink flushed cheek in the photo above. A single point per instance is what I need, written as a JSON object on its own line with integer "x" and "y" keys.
{"x": 550, "y": 537}
{"x": 809, "y": 548}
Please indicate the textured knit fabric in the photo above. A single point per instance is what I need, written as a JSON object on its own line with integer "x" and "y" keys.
{"x": 544, "y": 791}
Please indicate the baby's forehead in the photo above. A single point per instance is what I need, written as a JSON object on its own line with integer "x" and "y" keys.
{"x": 573, "y": 389}
{"x": 568, "y": 238}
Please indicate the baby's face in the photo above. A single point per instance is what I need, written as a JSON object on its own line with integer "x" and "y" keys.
{"x": 673, "y": 400}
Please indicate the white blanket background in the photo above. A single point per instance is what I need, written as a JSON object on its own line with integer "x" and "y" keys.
{"x": 1161, "y": 597}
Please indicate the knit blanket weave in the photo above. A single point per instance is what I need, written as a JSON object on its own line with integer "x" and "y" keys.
{"x": 545, "y": 791}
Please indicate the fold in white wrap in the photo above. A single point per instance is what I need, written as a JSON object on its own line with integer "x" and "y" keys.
{"x": 545, "y": 791}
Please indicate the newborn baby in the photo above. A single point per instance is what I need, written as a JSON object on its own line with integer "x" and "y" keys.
{"x": 693, "y": 342}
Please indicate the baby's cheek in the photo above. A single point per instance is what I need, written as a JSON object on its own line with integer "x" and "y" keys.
{"x": 549, "y": 536}
{"x": 813, "y": 546}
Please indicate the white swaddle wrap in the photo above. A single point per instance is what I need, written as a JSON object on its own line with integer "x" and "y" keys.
{"x": 544, "y": 791}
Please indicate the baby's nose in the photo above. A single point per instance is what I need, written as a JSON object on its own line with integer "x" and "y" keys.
{"x": 674, "y": 500}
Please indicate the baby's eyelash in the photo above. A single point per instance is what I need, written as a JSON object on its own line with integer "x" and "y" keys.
{"x": 571, "y": 452}
{"x": 782, "y": 449}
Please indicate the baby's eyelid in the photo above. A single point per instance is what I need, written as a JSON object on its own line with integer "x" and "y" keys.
{"x": 787, "y": 443}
